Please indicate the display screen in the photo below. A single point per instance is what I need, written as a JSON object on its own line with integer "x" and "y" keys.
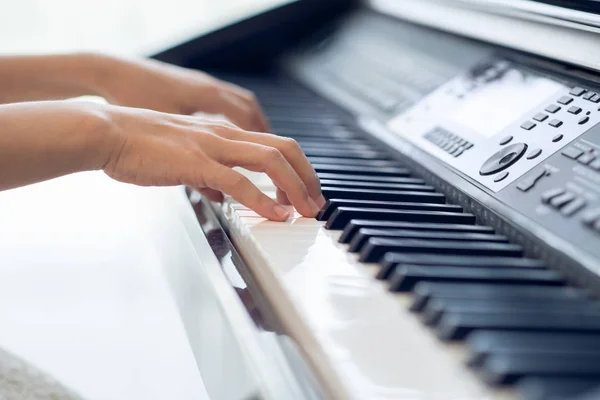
{"x": 494, "y": 101}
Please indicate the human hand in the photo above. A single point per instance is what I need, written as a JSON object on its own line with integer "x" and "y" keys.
{"x": 157, "y": 149}
{"x": 158, "y": 86}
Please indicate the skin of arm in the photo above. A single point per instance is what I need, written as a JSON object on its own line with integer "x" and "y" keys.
{"x": 45, "y": 139}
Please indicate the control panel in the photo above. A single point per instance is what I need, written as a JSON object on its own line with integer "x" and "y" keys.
{"x": 563, "y": 192}
{"x": 498, "y": 121}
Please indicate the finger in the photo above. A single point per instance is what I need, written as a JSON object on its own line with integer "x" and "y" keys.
{"x": 239, "y": 112}
{"x": 239, "y": 187}
{"x": 212, "y": 195}
{"x": 249, "y": 97}
{"x": 259, "y": 158}
{"x": 282, "y": 198}
{"x": 292, "y": 152}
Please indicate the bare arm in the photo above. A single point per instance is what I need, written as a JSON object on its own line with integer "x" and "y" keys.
{"x": 43, "y": 140}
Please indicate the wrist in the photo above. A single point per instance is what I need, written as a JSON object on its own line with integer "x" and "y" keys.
{"x": 95, "y": 72}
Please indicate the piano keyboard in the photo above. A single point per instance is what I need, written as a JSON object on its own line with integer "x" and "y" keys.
{"x": 393, "y": 293}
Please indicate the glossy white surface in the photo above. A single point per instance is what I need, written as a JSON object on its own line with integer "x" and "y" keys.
{"x": 82, "y": 290}
{"x": 362, "y": 340}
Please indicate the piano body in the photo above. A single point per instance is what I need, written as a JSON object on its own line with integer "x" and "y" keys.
{"x": 458, "y": 257}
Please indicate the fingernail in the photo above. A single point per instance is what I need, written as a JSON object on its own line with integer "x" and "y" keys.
{"x": 313, "y": 206}
{"x": 281, "y": 212}
{"x": 321, "y": 201}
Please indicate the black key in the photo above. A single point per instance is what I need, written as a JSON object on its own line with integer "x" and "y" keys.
{"x": 483, "y": 343}
{"x": 382, "y": 195}
{"x": 352, "y": 161}
{"x": 436, "y": 308}
{"x": 343, "y": 215}
{"x": 355, "y": 154}
{"x": 348, "y": 169}
{"x": 361, "y": 238}
{"x": 367, "y": 178}
{"x": 355, "y": 225}
{"x": 405, "y": 277}
{"x": 334, "y": 204}
{"x": 456, "y": 325}
{"x": 377, "y": 186}
{"x": 376, "y": 248}
{"x": 426, "y": 291}
{"x": 554, "y": 388}
{"x": 393, "y": 260}
{"x": 506, "y": 369}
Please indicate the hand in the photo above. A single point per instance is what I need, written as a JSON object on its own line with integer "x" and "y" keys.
{"x": 157, "y": 149}
{"x": 167, "y": 88}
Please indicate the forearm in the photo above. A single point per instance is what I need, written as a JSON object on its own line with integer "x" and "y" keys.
{"x": 51, "y": 77}
{"x": 40, "y": 141}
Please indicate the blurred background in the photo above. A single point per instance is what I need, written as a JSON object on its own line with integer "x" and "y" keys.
{"x": 116, "y": 26}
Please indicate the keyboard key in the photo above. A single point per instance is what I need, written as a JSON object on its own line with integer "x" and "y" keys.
{"x": 589, "y": 95}
{"x": 343, "y": 215}
{"x": 540, "y": 117}
{"x": 483, "y": 343}
{"x": 376, "y": 248}
{"x": 348, "y": 169}
{"x": 457, "y": 325}
{"x": 377, "y": 185}
{"x": 334, "y": 204}
{"x": 505, "y": 369}
{"x": 574, "y": 110}
{"x": 367, "y": 178}
{"x": 552, "y": 108}
{"x": 555, "y": 123}
{"x": 355, "y": 225}
{"x": 361, "y": 238}
{"x": 426, "y": 291}
{"x": 382, "y": 195}
{"x": 405, "y": 277}
{"x": 554, "y": 388}
{"x": 528, "y": 125}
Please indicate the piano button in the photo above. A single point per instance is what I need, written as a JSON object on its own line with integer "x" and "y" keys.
{"x": 334, "y": 204}
{"x": 392, "y": 260}
{"x": 574, "y": 207}
{"x": 555, "y": 388}
{"x": 377, "y": 185}
{"x": 562, "y": 200}
{"x": 351, "y": 161}
{"x": 507, "y": 369}
{"x": 457, "y": 325}
{"x": 343, "y": 215}
{"x": 548, "y": 195}
{"x": 426, "y": 291}
{"x": 355, "y": 225}
{"x": 361, "y": 238}
{"x": 367, "y": 178}
{"x": 376, "y": 248}
{"x": 577, "y": 91}
{"x": 483, "y": 343}
{"x": 405, "y": 277}
{"x": 552, "y": 108}
{"x": 348, "y": 169}
{"x": 565, "y": 100}
{"x": 382, "y": 195}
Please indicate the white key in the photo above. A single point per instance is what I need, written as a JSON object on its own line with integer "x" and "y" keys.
{"x": 360, "y": 339}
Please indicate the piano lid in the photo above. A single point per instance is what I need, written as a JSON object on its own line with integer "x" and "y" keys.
{"x": 565, "y": 34}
